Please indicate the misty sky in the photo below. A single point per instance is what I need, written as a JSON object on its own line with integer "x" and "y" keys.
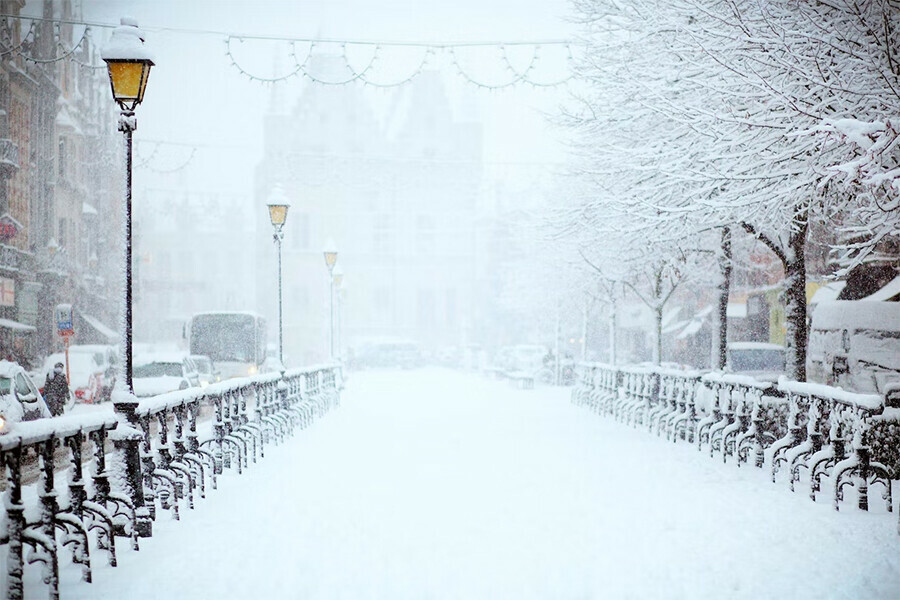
{"x": 196, "y": 97}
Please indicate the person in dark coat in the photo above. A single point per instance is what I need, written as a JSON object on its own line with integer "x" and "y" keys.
{"x": 56, "y": 390}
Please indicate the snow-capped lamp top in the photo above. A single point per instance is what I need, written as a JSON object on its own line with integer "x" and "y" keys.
{"x": 278, "y": 206}
{"x": 330, "y": 252}
{"x": 126, "y": 43}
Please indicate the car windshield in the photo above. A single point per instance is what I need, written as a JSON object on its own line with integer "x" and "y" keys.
{"x": 203, "y": 366}
{"x": 224, "y": 337}
{"x": 5, "y": 385}
{"x": 757, "y": 360}
{"x": 158, "y": 369}
{"x": 79, "y": 362}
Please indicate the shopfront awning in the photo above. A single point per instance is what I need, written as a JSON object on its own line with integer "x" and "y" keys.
{"x": 104, "y": 331}
{"x": 16, "y": 326}
{"x": 886, "y": 293}
{"x": 736, "y": 310}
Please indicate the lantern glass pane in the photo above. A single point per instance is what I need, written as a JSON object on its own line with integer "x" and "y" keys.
{"x": 127, "y": 78}
{"x": 278, "y": 213}
{"x": 144, "y": 77}
{"x": 330, "y": 259}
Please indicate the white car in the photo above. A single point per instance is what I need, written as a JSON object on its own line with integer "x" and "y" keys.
{"x": 155, "y": 374}
{"x": 20, "y": 399}
{"x": 86, "y": 373}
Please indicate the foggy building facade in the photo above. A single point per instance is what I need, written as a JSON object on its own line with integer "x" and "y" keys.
{"x": 398, "y": 195}
{"x": 61, "y": 179}
{"x": 192, "y": 254}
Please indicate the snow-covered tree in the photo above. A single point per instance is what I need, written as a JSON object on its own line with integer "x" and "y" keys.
{"x": 696, "y": 116}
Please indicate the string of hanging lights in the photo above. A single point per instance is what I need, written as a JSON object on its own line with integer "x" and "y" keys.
{"x": 365, "y": 75}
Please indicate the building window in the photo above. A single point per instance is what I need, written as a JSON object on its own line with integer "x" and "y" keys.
{"x": 450, "y": 307}
{"x": 62, "y": 157}
{"x": 425, "y": 309}
{"x": 425, "y": 235}
{"x": 301, "y": 299}
{"x": 62, "y": 233}
{"x": 300, "y": 239}
{"x": 381, "y": 237}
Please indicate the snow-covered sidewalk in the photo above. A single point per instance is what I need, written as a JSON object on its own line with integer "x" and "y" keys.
{"x": 434, "y": 484}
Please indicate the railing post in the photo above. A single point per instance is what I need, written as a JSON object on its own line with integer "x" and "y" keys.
{"x": 15, "y": 524}
{"x": 126, "y": 440}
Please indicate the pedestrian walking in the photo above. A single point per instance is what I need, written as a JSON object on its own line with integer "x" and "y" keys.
{"x": 56, "y": 390}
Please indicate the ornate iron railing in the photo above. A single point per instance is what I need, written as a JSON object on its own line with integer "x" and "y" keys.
{"x": 186, "y": 440}
{"x": 805, "y": 432}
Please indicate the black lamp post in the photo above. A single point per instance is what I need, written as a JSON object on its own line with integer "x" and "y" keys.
{"x": 331, "y": 254}
{"x": 129, "y": 65}
{"x": 337, "y": 279}
{"x": 129, "y": 62}
{"x": 278, "y": 209}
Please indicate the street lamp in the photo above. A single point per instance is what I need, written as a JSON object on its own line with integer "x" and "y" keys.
{"x": 129, "y": 62}
{"x": 331, "y": 254}
{"x": 337, "y": 280}
{"x": 278, "y": 209}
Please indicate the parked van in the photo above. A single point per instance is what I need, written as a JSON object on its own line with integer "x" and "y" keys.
{"x": 855, "y": 344}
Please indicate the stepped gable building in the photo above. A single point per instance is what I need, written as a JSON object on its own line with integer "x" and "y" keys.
{"x": 397, "y": 192}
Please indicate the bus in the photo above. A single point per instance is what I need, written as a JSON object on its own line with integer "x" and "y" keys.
{"x": 235, "y": 341}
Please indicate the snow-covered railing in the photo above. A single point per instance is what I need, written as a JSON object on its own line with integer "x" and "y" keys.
{"x": 186, "y": 438}
{"x": 822, "y": 432}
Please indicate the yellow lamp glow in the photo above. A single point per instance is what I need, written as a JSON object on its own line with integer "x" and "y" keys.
{"x": 128, "y": 62}
{"x": 129, "y": 81}
{"x": 278, "y": 214}
{"x": 331, "y": 254}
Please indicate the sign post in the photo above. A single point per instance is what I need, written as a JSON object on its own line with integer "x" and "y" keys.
{"x": 65, "y": 328}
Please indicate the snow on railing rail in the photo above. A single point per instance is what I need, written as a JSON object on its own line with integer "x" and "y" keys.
{"x": 26, "y": 433}
{"x": 179, "y": 456}
{"x": 870, "y": 402}
{"x": 809, "y": 431}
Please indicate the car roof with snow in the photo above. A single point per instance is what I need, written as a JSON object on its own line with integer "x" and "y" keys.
{"x": 754, "y": 346}
{"x": 159, "y": 357}
{"x": 9, "y": 369}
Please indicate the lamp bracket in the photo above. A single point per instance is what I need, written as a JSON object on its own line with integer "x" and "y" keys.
{"x": 127, "y": 121}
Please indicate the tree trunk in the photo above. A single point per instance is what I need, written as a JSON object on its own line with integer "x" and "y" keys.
{"x": 795, "y": 299}
{"x": 612, "y": 331}
{"x": 657, "y": 347}
{"x": 720, "y": 335}
{"x": 584, "y": 331}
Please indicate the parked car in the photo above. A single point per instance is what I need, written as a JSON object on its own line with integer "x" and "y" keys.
{"x": 155, "y": 374}
{"x": 397, "y": 354}
{"x": 87, "y": 375}
{"x": 108, "y": 358}
{"x": 207, "y": 372}
{"x": 762, "y": 361}
{"x": 20, "y": 399}
{"x": 855, "y": 344}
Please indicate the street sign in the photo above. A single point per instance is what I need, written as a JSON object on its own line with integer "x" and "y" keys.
{"x": 64, "y": 320}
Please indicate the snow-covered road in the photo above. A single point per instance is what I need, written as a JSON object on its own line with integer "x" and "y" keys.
{"x": 435, "y": 484}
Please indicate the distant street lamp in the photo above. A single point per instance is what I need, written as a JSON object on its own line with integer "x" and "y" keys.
{"x": 278, "y": 210}
{"x": 337, "y": 280}
{"x": 129, "y": 62}
{"x": 331, "y": 255}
